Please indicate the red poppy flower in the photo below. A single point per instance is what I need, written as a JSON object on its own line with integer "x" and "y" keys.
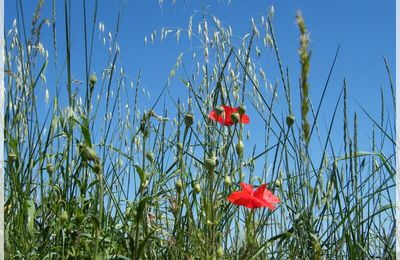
{"x": 261, "y": 197}
{"x": 224, "y": 117}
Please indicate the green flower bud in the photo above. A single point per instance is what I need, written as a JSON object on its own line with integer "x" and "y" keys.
{"x": 197, "y": 188}
{"x": 227, "y": 181}
{"x": 50, "y": 168}
{"x": 178, "y": 186}
{"x": 220, "y": 252}
{"x": 92, "y": 80}
{"x": 189, "y": 120}
{"x": 97, "y": 167}
{"x": 289, "y": 120}
{"x": 63, "y": 217}
{"x": 88, "y": 153}
{"x": 128, "y": 212}
{"x": 278, "y": 183}
{"x": 150, "y": 156}
{"x": 241, "y": 109}
{"x": 239, "y": 147}
{"x": 235, "y": 117}
{"x": 219, "y": 110}
{"x": 210, "y": 163}
{"x": 12, "y": 157}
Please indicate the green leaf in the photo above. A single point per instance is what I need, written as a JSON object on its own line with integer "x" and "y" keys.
{"x": 142, "y": 174}
{"x": 85, "y": 131}
{"x": 30, "y": 209}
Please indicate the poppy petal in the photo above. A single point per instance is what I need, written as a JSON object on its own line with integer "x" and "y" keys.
{"x": 236, "y": 195}
{"x": 213, "y": 115}
{"x": 247, "y": 188}
{"x": 229, "y": 110}
{"x": 259, "y": 192}
{"x": 245, "y": 119}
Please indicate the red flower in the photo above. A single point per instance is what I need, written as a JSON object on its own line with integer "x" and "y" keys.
{"x": 224, "y": 117}
{"x": 261, "y": 197}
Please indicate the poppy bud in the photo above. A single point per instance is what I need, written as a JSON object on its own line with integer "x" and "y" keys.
{"x": 278, "y": 183}
{"x": 12, "y": 157}
{"x": 150, "y": 156}
{"x": 92, "y": 80}
{"x": 50, "y": 168}
{"x": 289, "y": 120}
{"x": 239, "y": 147}
{"x": 241, "y": 109}
{"x": 88, "y": 153}
{"x": 235, "y": 117}
{"x": 227, "y": 181}
{"x": 210, "y": 163}
{"x": 220, "y": 252}
{"x": 178, "y": 186}
{"x": 197, "y": 188}
{"x": 219, "y": 110}
{"x": 189, "y": 120}
{"x": 63, "y": 217}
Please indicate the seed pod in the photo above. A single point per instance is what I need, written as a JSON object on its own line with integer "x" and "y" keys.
{"x": 227, "y": 181}
{"x": 241, "y": 109}
{"x": 92, "y": 80}
{"x": 239, "y": 147}
{"x": 235, "y": 117}
{"x": 50, "y": 168}
{"x": 289, "y": 120}
{"x": 150, "y": 156}
{"x": 189, "y": 120}
{"x": 197, "y": 188}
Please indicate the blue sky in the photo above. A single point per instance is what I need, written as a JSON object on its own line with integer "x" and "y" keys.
{"x": 364, "y": 29}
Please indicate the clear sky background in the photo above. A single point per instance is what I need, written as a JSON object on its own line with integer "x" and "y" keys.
{"x": 364, "y": 29}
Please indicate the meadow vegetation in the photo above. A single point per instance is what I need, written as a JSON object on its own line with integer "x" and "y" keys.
{"x": 92, "y": 175}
